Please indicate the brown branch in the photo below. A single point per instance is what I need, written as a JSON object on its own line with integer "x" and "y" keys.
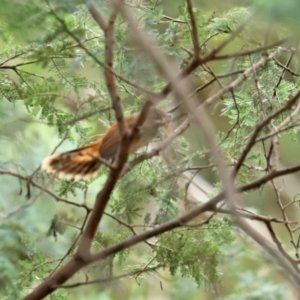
{"x": 35, "y": 184}
{"x": 130, "y": 228}
{"x": 83, "y": 256}
{"x": 255, "y": 184}
{"x": 86, "y": 116}
{"x": 156, "y": 150}
{"x": 95, "y": 58}
{"x": 76, "y": 263}
{"x": 286, "y": 68}
{"x": 203, "y": 59}
{"x": 202, "y": 87}
{"x": 30, "y": 177}
{"x": 20, "y": 75}
{"x": 130, "y": 274}
{"x": 215, "y": 78}
{"x": 97, "y": 16}
{"x": 178, "y": 222}
{"x": 144, "y": 269}
{"x": 276, "y": 131}
{"x": 71, "y": 248}
{"x": 229, "y": 190}
{"x": 252, "y": 51}
{"x": 285, "y": 217}
{"x": 174, "y": 20}
{"x": 253, "y": 216}
{"x": 208, "y": 206}
{"x": 103, "y": 196}
{"x": 282, "y": 73}
{"x": 37, "y": 267}
{"x": 35, "y": 61}
{"x": 259, "y": 127}
{"x": 278, "y": 244}
{"x": 12, "y": 57}
{"x": 194, "y": 32}
{"x": 287, "y": 120}
{"x": 109, "y": 76}
{"x": 239, "y": 80}
{"x": 61, "y": 75}
{"x": 181, "y": 92}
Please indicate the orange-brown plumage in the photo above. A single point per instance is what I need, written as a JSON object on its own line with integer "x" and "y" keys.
{"x": 85, "y": 162}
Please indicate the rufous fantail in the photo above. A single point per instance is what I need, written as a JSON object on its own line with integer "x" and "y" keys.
{"x": 84, "y": 163}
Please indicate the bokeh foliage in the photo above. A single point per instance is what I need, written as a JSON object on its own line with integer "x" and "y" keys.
{"x": 49, "y": 82}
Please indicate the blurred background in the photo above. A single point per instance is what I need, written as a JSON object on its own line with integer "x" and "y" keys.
{"x": 50, "y": 90}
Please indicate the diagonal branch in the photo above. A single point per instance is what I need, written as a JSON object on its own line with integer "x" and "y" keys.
{"x": 194, "y": 32}
{"x": 260, "y": 126}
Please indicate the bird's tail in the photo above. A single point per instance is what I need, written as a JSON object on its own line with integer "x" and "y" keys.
{"x": 77, "y": 164}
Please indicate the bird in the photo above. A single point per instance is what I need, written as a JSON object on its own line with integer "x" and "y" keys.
{"x": 84, "y": 163}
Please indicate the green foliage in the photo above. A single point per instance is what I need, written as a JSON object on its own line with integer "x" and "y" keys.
{"x": 10, "y": 251}
{"x": 257, "y": 103}
{"x": 195, "y": 251}
{"x": 276, "y": 11}
{"x": 49, "y": 80}
{"x": 249, "y": 277}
